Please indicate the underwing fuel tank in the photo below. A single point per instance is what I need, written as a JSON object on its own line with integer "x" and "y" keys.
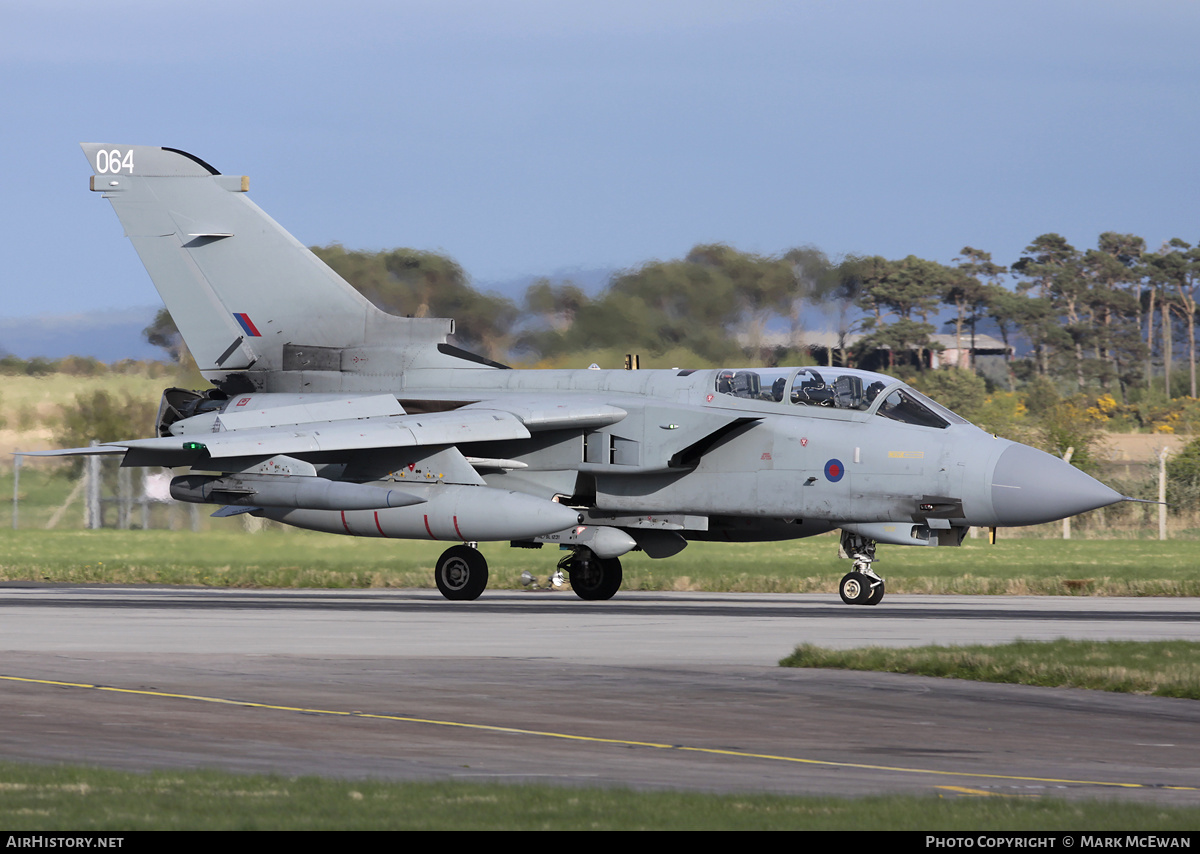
{"x": 264, "y": 490}
{"x": 450, "y": 512}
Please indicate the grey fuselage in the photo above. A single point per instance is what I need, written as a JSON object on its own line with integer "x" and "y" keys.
{"x": 738, "y": 467}
{"x": 314, "y": 381}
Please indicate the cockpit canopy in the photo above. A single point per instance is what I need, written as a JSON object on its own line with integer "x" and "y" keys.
{"x": 836, "y": 388}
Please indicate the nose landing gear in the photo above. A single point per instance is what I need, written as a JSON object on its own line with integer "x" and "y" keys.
{"x": 861, "y": 586}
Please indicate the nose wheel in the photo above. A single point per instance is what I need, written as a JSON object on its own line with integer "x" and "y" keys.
{"x": 861, "y": 588}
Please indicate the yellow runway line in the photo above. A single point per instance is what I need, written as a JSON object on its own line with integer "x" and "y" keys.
{"x": 712, "y": 751}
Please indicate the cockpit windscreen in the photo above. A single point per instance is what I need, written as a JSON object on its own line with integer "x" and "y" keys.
{"x": 836, "y": 388}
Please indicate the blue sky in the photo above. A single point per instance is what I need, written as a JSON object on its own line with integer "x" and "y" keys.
{"x": 528, "y": 137}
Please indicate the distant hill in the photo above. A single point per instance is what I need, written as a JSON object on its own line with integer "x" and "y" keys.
{"x": 116, "y": 334}
{"x": 109, "y": 335}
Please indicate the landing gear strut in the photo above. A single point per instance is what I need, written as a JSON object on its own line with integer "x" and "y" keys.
{"x": 861, "y": 586}
{"x": 592, "y": 578}
{"x": 461, "y": 573}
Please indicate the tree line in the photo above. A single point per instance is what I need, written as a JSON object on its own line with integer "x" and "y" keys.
{"x": 1100, "y": 332}
{"x": 1115, "y": 318}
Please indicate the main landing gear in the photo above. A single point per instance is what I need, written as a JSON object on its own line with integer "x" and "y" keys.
{"x": 592, "y": 578}
{"x": 861, "y": 586}
{"x": 461, "y": 573}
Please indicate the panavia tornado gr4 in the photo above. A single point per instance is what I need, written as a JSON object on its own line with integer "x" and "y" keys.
{"x": 325, "y": 412}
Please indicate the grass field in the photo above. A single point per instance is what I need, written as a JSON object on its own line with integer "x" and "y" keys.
{"x": 1160, "y": 668}
{"x": 33, "y": 405}
{"x": 87, "y": 799}
{"x": 227, "y": 556}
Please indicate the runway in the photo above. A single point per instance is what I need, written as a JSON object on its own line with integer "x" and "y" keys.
{"x": 649, "y": 690}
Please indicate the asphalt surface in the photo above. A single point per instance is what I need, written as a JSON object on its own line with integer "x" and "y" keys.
{"x": 649, "y": 690}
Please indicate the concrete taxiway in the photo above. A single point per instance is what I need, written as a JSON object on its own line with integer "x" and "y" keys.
{"x": 653, "y": 690}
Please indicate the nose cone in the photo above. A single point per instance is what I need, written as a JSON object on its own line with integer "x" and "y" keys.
{"x": 1030, "y": 487}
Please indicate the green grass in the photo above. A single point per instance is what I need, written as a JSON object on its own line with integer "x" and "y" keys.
{"x": 1032, "y": 566}
{"x": 38, "y": 798}
{"x": 1160, "y": 668}
{"x": 31, "y": 403}
{"x": 224, "y": 555}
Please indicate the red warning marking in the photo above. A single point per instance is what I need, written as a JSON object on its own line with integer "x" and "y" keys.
{"x": 427, "y": 528}
{"x": 460, "y": 536}
{"x": 377, "y": 528}
{"x": 344, "y": 525}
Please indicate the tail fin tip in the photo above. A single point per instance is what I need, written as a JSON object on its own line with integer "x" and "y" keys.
{"x": 150, "y": 161}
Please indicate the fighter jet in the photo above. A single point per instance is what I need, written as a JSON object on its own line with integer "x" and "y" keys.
{"x": 326, "y": 413}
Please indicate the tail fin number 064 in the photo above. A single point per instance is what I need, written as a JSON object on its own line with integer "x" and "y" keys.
{"x": 112, "y": 161}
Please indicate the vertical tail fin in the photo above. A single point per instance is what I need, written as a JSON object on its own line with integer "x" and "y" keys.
{"x": 239, "y": 287}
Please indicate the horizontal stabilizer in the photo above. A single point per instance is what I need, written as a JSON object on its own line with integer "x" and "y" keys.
{"x": 460, "y": 426}
{"x": 95, "y": 450}
{"x": 244, "y": 415}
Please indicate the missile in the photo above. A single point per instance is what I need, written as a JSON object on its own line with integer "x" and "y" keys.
{"x": 273, "y": 490}
{"x": 450, "y": 512}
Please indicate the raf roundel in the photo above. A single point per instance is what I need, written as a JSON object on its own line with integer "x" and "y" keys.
{"x": 834, "y": 471}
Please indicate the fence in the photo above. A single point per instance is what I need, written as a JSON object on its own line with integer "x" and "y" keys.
{"x": 45, "y": 495}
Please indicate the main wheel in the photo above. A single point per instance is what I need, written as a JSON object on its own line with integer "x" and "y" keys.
{"x": 594, "y": 578}
{"x": 876, "y": 594}
{"x": 855, "y": 589}
{"x": 461, "y": 573}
